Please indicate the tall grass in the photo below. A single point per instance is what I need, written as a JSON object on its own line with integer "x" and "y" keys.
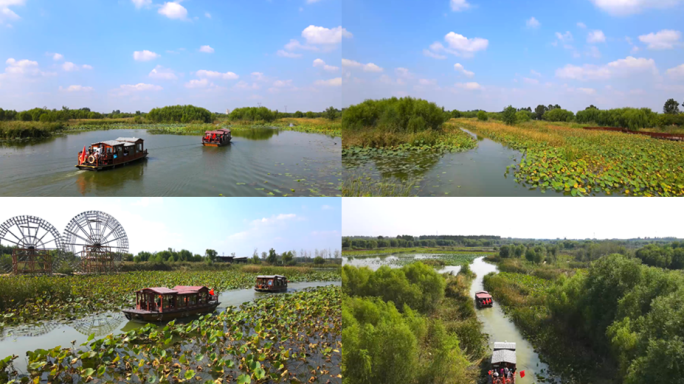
{"x": 13, "y": 130}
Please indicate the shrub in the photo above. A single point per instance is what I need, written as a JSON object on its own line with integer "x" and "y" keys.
{"x": 508, "y": 115}
{"x": 394, "y": 115}
{"x": 180, "y": 114}
{"x": 558, "y": 114}
{"x": 482, "y": 116}
{"x": 523, "y": 116}
{"x": 252, "y": 114}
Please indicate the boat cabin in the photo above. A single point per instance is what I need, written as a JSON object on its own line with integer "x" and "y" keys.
{"x": 217, "y": 138}
{"x": 110, "y": 153}
{"x": 503, "y": 357}
{"x": 272, "y": 283}
{"x": 160, "y": 303}
{"x": 483, "y": 299}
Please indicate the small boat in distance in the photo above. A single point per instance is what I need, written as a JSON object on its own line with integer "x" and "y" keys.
{"x": 162, "y": 304}
{"x": 111, "y": 153}
{"x": 503, "y": 357}
{"x": 272, "y": 283}
{"x": 217, "y": 138}
{"x": 483, "y": 299}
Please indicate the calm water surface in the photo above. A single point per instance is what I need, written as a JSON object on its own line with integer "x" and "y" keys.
{"x": 495, "y": 323}
{"x": 46, "y": 335}
{"x": 258, "y": 162}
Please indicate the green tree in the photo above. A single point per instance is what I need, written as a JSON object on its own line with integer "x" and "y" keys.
{"x": 272, "y": 256}
{"x": 287, "y": 258}
{"x": 298, "y": 114}
{"x": 331, "y": 113}
{"x": 319, "y": 260}
{"x": 671, "y": 107}
{"x": 508, "y": 115}
{"x": 482, "y": 116}
{"x": 539, "y": 111}
{"x": 504, "y": 251}
{"x": 210, "y": 254}
{"x": 523, "y": 116}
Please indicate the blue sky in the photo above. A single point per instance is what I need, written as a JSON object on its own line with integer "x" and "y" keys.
{"x": 468, "y": 54}
{"x": 214, "y": 54}
{"x": 225, "y": 224}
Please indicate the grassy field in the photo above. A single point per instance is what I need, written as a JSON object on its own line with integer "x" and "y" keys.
{"x": 34, "y": 298}
{"x": 564, "y": 158}
{"x": 394, "y": 251}
{"x": 289, "y": 337}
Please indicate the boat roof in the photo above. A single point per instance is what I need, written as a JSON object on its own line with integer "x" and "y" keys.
{"x": 504, "y": 345}
{"x": 218, "y": 131}
{"x": 183, "y": 289}
{"x": 503, "y": 356}
{"x": 159, "y": 290}
{"x": 112, "y": 143}
{"x": 482, "y": 294}
{"x": 129, "y": 139}
{"x": 269, "y": 276}
{"x": 125, "y": 141}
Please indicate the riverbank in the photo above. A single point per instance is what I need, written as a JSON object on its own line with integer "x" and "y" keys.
{"x": 409, "y": 325}
{"x": 28, "y": 299}
{"x": 288, "y": 333}
{"x": 567, "y": 159}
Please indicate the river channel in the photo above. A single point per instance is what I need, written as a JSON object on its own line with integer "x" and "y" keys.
{"x": 258, "y": 162}
{"x": 479, "y": 172}
{"x": 494, "y": 321}
{"x": 45, "y": 335}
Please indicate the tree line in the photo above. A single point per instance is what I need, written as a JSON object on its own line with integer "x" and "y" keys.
{"x": 267, "y": 115}
{"x": 410, "y": 242}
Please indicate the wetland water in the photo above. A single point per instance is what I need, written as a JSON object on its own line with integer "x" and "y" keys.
{"x": 46, "y": 335}
{"x": 258, "y": 162}
{"x": 478, "y": 172}
{"x": 495, "y": 323}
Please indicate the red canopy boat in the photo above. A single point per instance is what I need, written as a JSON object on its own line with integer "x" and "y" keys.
{"x": 272, "y": 283}
{"x": 161, "y": 304}
{"x": 217, "y": 138}
{"x": 111, "y": 153}
{"x": 483, "y": 299}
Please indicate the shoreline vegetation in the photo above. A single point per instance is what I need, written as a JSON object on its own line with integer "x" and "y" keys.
{"x": 178, "y": 120}
{"x": 610, "y": 319}
{"x": 423, "y": 330}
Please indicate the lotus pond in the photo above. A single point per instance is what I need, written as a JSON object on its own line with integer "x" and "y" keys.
{"x": 29, "y": 299}
{"x": 398, "y": 260}
{"x": 281, "y": 338}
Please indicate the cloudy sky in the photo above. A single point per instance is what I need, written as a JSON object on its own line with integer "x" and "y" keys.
{"x": 520, "y": 217}
{"x": 140, "y": 54}
{"x": 468, "y": 54}
{"x": 225, "y": 224}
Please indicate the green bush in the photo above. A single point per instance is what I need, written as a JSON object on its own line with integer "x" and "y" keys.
{"x": 394, "y": 115}
{"x": 523, "y": 116}
{"x": 180, "y": 114}
{"x": 252, "y": 114}
{"x": 482, "y": 116}
{"x": 558, "y": 114}
{"x": 508, "y": 115}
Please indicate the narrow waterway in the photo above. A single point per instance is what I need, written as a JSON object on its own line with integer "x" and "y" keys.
{"x": 50, "y": 334}
{"x": 257, "y": 162}
{"x": 500, "y": 328}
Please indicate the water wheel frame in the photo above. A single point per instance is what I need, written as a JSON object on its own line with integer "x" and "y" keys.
{"x": 95, "y": 241}
{"x": 34, "y": 252}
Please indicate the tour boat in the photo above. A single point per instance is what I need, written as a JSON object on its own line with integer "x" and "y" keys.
{"x": 272, "y": 283}
{"x": 503, "y": 357}
{"x": 162, "y": 304}
{"x": 483, "y": 299}
{"x": 217, "y": 138}
{"x": 111, "y": 153}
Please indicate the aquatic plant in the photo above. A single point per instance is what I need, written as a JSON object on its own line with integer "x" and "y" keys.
{"x": 35, "y": 298}
{"x": 289, "y": 337}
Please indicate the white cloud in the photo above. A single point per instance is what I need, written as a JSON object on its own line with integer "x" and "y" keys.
{"x": 532, "y": 71}
{"x": 57, "y": 57}
{"x": 76, "y": 88}
{"x": 207, "y": 15}
{"x": 459, "y": 68}
{"x": 627, "y": 7}
{"x": 69, "y": 66}
{"x": 324, "y": 36}
{"x": 403, "y": 72}
{"x": 665, "y": 39}
{"x": 619, "y": 68}
{"x": 23, "y": 69}
{"x": 370, "y": 67}
{"x": 145, "y": 55}
{"x": 459, "y": 5}
{"x": 564, "y": 37}
{"x": 141, "y": 3}
{"x": 86, "y": 66}
{"x": 203, "y": 83}
{"x": 593, "y": 52}
{"x": 128, "y": 89}
{"x": 162, "y": 73}
{"x": 258, "y": 76}
{"x": 596, "y": 36}
{"x": 460, "y": 45}
{"x": 532, "y": 23}
{"x": 206, "y": 49}
{"x": 588, "y": 91}
{"x": 530, "y": 81}
{"x": 635, "y": 49}
{"x": 173, "y": 10}
{"x": 243, "y": 85}
{"x": 472, "y": 86}
{"x": 321, "y": 63}
{"x": 282, "y": 83}
{"x": 429, "y": 53}
{"x": 676, "y": 72}
{"x": 427, "y": 82}
{"x": 336, "y": 82}
{"x": 216, "y": 75}
{"x": 581, "y": 25}
{"x": 291, "y": 55}
{"x": 312, "y": 1}
{"x": 8, "y": 14}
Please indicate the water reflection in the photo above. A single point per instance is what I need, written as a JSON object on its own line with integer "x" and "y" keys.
{"x": 255, "y": 133}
